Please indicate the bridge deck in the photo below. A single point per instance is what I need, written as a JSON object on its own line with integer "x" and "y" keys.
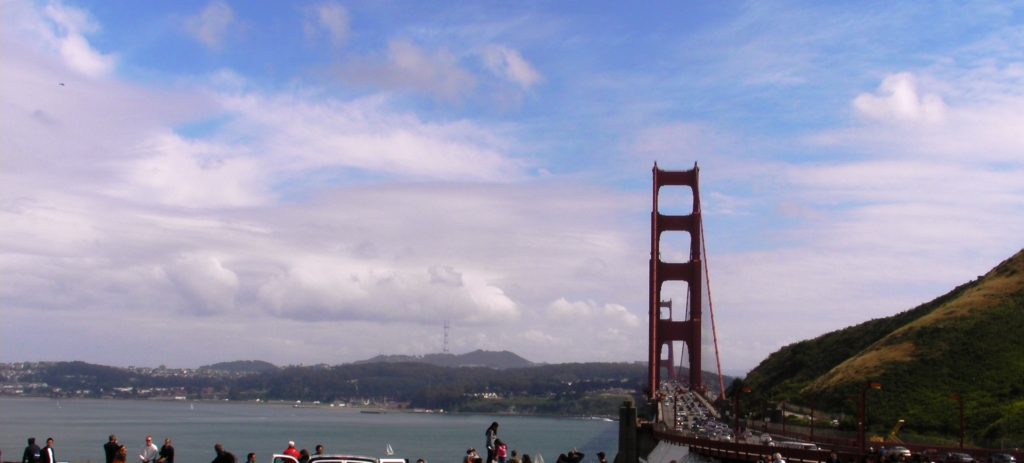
{"x": 733, "y": 451}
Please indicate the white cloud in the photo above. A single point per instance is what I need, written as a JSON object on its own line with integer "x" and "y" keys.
{"x": 409, "y": 67}
{"x": 367, "y": 135}
{"x": 980, "y": 124}
{"x": 445, "y": 275}
{"x": 614, "y": 315}
{"x": 898, "y": 99}
{"x": 510, "y": 64}
{"x": 205, "y": 282}
{"x": 318, "y": 288}
{"x": 63, "y": 29}
{"x": 331, "y": 18}
{"x": 194, "y": 174}
{"x": 211, "y": 25}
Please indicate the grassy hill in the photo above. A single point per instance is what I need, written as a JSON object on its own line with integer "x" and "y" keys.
{"x": 968, "y": 342}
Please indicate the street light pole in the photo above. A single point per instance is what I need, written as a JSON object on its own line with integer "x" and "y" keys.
{"x": 862, "y": 412}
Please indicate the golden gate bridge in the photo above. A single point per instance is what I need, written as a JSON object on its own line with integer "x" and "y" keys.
{"x": 642, "y": 438}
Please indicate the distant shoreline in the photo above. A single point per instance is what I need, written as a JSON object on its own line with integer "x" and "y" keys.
{"x": 291, "y": 404}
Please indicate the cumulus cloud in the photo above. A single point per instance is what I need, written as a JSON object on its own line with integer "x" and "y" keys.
{"x": 615, "y": 314}
{"x": 899, "y": 99}
{"x": 409, "y": 67}
{"x": 316, "y": 288}
{"x": 211, "y": 25}
{"x": 74, "y": 47}
{"x": 509, "y": 64}
{"x": 62, "y": 29}
{"x": 178, "y": 172}
{"x": 904, "y": 122}
{"x": 204, "y": 282}
{"x": 330, "y": 18}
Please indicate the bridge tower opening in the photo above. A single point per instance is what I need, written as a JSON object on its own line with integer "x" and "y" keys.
{"x": 664, "y": 329}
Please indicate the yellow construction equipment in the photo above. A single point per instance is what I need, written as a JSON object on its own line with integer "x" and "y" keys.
{"x": 893, "y": 435}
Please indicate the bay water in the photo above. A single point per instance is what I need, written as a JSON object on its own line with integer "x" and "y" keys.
{"x": 80, "y": 428}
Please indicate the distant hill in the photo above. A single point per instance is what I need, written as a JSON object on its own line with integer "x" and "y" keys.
{"x": 241, "y": 366}
{"x": 969, "y": 341}
{"x": 479, "y": 358}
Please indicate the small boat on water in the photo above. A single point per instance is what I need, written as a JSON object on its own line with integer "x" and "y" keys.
{"x": 373, "y": 411}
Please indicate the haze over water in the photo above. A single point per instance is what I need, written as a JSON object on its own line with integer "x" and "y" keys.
{"x": 80, "y": 428}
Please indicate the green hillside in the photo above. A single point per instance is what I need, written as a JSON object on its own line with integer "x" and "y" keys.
{"x": 968, "y": 342}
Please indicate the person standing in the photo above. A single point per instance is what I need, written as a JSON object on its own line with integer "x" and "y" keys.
{"x": 250, "y": 458}
{"x": 166, "y": 452}
{"x": 31, "y": 454}
{"x": 149, "y": 451}
{"x": 292, "y": 451}
{"x": 319, "y": 449}
{"x": 46, "y": 455}
{"x": 501, "y": 450}
{"x": 222, "y": 455}
{"x": 110, "y": 448}
{"x": 492, "y": 435}
{"x": 122, "y": 454}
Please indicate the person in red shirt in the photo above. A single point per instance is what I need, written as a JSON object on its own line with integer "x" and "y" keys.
{"x": 292, "y": 451}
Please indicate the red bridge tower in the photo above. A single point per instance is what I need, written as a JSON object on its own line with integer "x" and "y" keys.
{"x": 663, "y": 328}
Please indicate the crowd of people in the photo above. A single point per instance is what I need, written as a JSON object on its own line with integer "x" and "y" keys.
{"x": 114, "y": 451}
{"x": 498, "y": 451}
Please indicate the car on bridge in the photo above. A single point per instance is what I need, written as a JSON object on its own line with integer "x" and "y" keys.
{"x": 931, "y": 456}
{"x": 1001, "y": 458}
{"x": 958, "y": 457}
{"x": 896, "y": 451}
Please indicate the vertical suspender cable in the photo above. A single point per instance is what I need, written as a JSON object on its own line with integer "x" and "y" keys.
{"x": 711, "y": 308}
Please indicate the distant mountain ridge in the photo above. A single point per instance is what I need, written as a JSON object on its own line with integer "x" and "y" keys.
{"x": 968, "y": 342}
{"x": 241, "y": 366}
{"x": 501, "y": 360}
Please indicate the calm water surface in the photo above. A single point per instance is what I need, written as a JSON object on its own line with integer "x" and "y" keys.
{"x": 80, "y": 427}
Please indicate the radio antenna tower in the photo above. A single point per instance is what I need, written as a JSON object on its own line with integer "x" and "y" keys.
{"x": 446, "y": 328}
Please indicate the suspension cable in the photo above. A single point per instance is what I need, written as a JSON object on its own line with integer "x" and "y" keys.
{"x": 711, "y": 308}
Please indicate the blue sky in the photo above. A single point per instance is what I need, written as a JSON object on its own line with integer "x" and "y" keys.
{"x": 325, "y": 181}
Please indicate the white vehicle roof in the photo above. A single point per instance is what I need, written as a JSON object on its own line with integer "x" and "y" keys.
{"x": 278, "y": 458}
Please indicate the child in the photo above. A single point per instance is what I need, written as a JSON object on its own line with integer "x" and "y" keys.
{"x": 502, "y": 450}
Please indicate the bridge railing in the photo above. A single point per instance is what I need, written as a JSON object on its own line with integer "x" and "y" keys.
{"x": 847, "y": 441}
{"x": 747, "y": 452}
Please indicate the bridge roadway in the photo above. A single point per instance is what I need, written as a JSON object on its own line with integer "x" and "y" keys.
{"x": 734, "y": 451}
{"x": 847, "y": 450}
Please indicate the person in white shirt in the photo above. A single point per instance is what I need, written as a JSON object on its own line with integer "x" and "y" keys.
{"x": 149, "y": 452}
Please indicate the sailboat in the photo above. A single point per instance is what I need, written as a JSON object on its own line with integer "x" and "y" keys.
{"x": 389, "y": 451}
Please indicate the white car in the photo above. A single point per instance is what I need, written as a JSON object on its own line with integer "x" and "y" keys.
{"x": 338, "y": 459}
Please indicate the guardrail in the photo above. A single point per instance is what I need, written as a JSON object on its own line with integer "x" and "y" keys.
{"x": 747, "y": 452}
